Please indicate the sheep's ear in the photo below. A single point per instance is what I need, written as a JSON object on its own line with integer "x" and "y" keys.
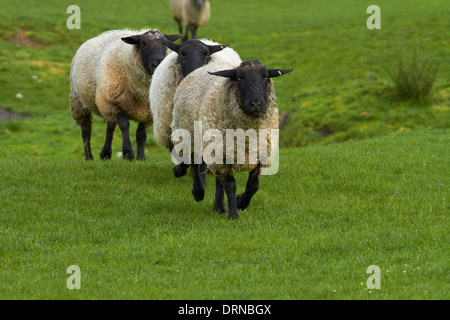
{"x": 277, "y": 72}
{"x": 132, "y": 39}
{"x": 172, "y": 46}
{"x": 232, "y": 74}
{"x": 172, "y": 37}
{"x": 217, "y": 48}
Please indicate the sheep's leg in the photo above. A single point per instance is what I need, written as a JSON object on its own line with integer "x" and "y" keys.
{"x": 127, "y": 149}
{"x": 107, "y": 150}
{"x": 203, "y": 170}
{"x": 86, "y": 129}
{"x": 198, "y": 190}
{"x": 141, "y": 137}
{"x": 186, "y": 35}
{"x": 219, "y": 204}
{"x": 180, "y": 27}
{"x": 84, "y": 119}
{"x": 229, "y": 185}
{"x": 180, "y": 170}
{"x": 243, "y": 200}
{"x": 194, "y": 32}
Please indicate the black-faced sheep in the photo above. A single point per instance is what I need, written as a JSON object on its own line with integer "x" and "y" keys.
{"x": 184, "y": 59}
{"x": 110, "y": 76}
{"x": 192, "y": 13}
{"x": 221, "y": 98}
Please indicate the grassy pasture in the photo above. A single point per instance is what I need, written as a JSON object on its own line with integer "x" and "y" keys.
{"x": 310, "y": 233}
{"x": 363, "y": 176}
{"x": 340, "y": 89}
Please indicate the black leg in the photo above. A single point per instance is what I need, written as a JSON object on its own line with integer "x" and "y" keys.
{"x": 86, "y": 129}
{"x": 194, "y": 32}
{"x": 219, "y": 203}
{"x": 107, "y": 150}
{"x": 180, "y": 27}
{"x": 198, "y": 190}
{"x": 127, "y": 149}
{"x": 180, "y": 170}
{"x": 229, "y": 185}
{"x": 243, "y": 200}
{"x": 203, "y": 170}
{"x": 141, "y": 137}
{"x": 186, "y": 35}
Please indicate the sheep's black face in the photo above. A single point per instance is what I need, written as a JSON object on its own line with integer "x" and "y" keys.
{"x": 193, "y": 54}
{"x": 198, "y": 3}
{"x": 252, "y": 80}
{"x": 152, "y": 52}
{"x": 151, "y": 48}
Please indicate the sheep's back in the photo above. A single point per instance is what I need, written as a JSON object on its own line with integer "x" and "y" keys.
{"x": 193, "y": 16}
{"x": 93, "y": 57}
{"x": 227, "y": 55}
{"x": 176, "y": 7}
{"x": 199, "y": 90}
{"x": 165, "y": 80}
{"x": 85, "y": 65}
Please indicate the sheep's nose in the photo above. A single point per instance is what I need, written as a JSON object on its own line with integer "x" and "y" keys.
{"x": 156, "y": 63}
{"x": 255, "y": 105}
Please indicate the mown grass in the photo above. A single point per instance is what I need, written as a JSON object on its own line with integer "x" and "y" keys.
{"x": 310, "y": 233}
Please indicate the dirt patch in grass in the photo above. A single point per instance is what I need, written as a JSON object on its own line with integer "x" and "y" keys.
{"x": 21, "y": 37}
{"x": 5, "y": 114}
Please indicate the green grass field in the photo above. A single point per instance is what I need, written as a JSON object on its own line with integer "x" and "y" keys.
{"x": 363, "y": 180}
{"x": 310, "y": 233}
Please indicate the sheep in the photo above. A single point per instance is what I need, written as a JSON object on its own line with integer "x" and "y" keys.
{"x": 221, "y": 98}
{"x": 176, "y": 7}
{"x": 110, "y": 76}
{"x": 191, "y": 13}
{"x": 184, "y": 59}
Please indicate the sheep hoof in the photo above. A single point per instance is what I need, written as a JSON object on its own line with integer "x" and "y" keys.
{"x": 233, "y": 215}
{"x": 105, "y": 155}
{"x": 241, "y": 202}
{"x": 199, "y": 195}
{"x": 179, "y": 171}
{"x": 128, "y": 155}
{"x": 219, "y": 208}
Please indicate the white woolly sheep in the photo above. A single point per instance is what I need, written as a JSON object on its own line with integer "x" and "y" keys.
{"x": 170, "y": 73}
{"x": 222, "y": 98}
{"x": 191, "y": 13}
{"x": 184, "y": 59}
{"x": 110, "y": 76}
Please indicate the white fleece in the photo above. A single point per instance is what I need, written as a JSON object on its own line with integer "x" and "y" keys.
{"x": 107, "y": 78}
{"x": 215, "y": 101}
{"x": 165, "y": 81}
